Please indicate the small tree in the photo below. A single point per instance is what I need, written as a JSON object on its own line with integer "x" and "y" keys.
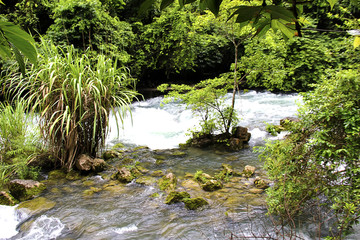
{"x": 73, "y": 95}
{"x": 207, "y": 101}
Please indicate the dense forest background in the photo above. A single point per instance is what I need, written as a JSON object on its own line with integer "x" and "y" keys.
{"x": 190, "y": 45}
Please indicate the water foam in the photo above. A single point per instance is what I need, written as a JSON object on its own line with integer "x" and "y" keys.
{"x": 8, "y": 221}
{"x": 45, "y": 228}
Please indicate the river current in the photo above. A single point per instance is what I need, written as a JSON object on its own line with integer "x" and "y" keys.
{"x": 130, "y": 211}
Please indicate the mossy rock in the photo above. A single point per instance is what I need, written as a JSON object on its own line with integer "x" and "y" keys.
{"x": 155, "y": 195}
{"x": 195, "y": 203}
{"x": 248, "y": 171}
{"x": 88, "y": 183}
{"x": 178, "y": 153}
{"x": 212, "y": 185}
{"x": 73, "y": 175}
{"x": 135, "y": 172}
{"x": 91, "y": 191}
{"x": 175, "y": 197}
{"x": 111, "y": 154}
{"x": 37, "y": 205}
{"x": 56, "y": 174}
{"x": 160, "y": 157}
{"x": 7, "y": 199}
{"x": 146, "y": 180}
{"x": 202, "y": 177}
{"x": 168, "y": 182}
{"x": 261, "y": 183}
{"x": 123, "y": 175}
{"x": 142, "y": 169}
{"x": 256, "y": 190}
{"x": 23, "y": 190}
{"x": 157, "y": 173}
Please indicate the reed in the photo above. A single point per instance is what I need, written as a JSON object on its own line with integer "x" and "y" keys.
{"x": 74, "y": 95}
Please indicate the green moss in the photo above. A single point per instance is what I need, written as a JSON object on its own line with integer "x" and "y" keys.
{"x": 91, "y": 191}
{"x": 157, "y": 173}
{"x": 175, "y": 197}
{"x": 7, "y": 199}
{"x": 155, "y": 195}
{"x": 146, "y": 180}
{"x": 56, "y": 174}
{"x": 195, "y": 203}
{"x": 73, "y": 175}
{"x": 212, "y": 185}
{"x": 23, "y": 193}
{"x": 168, "y": 182}
{"x": 178, "y": 153}
{"x": 37, "y": 205}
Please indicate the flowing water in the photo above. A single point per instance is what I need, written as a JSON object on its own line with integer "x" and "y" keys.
{"x": 130, "y": 211}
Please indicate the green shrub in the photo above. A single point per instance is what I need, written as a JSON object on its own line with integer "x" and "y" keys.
{"x": 319, "y": 160}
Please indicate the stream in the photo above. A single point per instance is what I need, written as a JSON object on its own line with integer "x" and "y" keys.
{"x": 130, "y": 211}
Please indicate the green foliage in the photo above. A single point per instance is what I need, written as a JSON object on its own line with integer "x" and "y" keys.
{"x": 321, "y": 155}
{"x": 207, "y": 101}
{"x": 74, "y": 96}
{"x": 86, "y": 24}
{"x": 19, "y": 143}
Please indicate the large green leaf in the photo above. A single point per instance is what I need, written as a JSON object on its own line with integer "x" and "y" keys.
{"x": 279, "y": 12}
{"x": 213, "y": 6}
{"x": 20, "y": 39}
{"x": 146, "y": 5}
{"x": 165, "y": 3}
{"x": 246, "y": 13}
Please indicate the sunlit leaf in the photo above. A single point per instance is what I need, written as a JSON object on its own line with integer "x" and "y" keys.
{"x": 332, "y": 3}
{"x": 357, "y": 41}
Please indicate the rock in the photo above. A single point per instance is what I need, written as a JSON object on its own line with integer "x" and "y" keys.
{"x": 261, "y": 183}
{"x": 123, "y": 175}
{"x": 202, "y": 177}
{"x": 37, "y": 206}
{"x": 248, "y": 171}
{"x": 242, "y": 134}
{"x": 146, "y": 180}
{"x": 91, "y": 191}
{"x": 87, "y": 163}
{"x": 23, "y": 190}
{"x": 7, "y": 199}
{"x": 110, "y": 154}
{"x": 236, "y": 144}
{"x": 175, "y": 197}
{"x": 212, "y": 185}
{"x": 157, "y": 173}
{"x": 195, "y": 203}
{"x": 73, "y": 175}
{"x": 178, "y": 153}
{"x": 56, "y": 174}
{"x": 256, "y": 190}
{"x": 227, "y": 169}
{"x": 167, "y": 182}
{"x": 142, "y": 170}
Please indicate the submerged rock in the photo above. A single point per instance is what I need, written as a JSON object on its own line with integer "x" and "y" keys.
{"x": 248, "y": 171}
{"x": 7, "y": 199}
{"x": 175, "y": 197}
{"x": 37, "y": 205}
{"x": 123, "y": 175}
{"x": 195, "y": 203}
{"x": 56, "y": 174}
{"x": 23, "y": 190}
{"x": 146, "y": 180}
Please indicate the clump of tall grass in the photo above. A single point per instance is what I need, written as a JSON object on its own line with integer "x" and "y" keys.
{"x": 19, "y": 143}
{"x": 73, "y": 94}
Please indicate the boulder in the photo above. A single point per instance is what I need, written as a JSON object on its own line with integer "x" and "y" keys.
{"x": 110, "y": 154}
{"x": 195, "y": 203}
{"x": 248, "y": 171}
{"x": 168, "y": 182}
{"x": 202, "y": 177}
{"x": 236, "y": 144}
{"x": 7, "y": 199}
{"x": 212, "y": 185}
{"x": 87, "y": 163}
{"x": 123, "y": 175}
{"x": 175, "y": 197}
{"x": 25, "y": 189}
